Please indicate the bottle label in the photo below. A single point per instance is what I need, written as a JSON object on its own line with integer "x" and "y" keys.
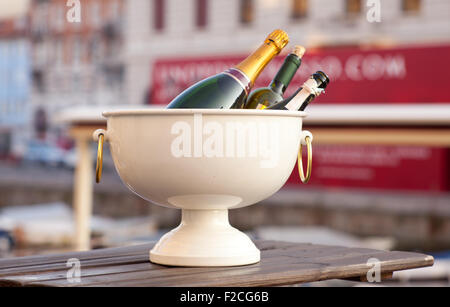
{"x": 297, "y": 101}
{"x": 240, "y": 77}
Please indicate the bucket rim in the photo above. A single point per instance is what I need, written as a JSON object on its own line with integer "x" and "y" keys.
{"x": 134, "y": 112}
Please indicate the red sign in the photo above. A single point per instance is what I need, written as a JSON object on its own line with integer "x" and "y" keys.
{"x": 400, "y": 75}
{"x": 379, "y": 167}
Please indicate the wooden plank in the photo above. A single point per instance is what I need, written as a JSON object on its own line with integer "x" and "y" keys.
{"x": 282, "y": 263}
{"x": 386, "y": 114}
{"x": 281, "y": 273}
{"x": 116, "y": 252}
{"x": 384, "y": 276}
{"x": 275, "y": 275}
{"x": 270, "y": 271}
{"x": 86, "y": 272}
{"x": 58, "y": 271}
{"x": 92, "y": 254}
{"x": 381, "y": 136}
{"x": 107, "y": 257}
{"x": 38, "y": 269}
{"x": 271, "y": 244}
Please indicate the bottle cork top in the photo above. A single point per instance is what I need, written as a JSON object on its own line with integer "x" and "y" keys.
{"x": 299, "y": 51}
{"x": 279, "y": 38}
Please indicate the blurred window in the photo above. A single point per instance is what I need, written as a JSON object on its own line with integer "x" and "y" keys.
{"x": 58, "y": 16}
{"x": 50, "y": 52}
{"x": 246, "y": 11}
{"x": 5, "y": 143}
{"x": 76, "y": 82}
{"x": 95, "y": 14}
{"x": 77, "y": 51}
{"x": 114, "y": 12}
{"x": 411, "y": 6}
{"x": 38, "y": 81}
{"x": 158, "y": 14}
{"x": 96, "y": 49}
{"x": 58, "y": 52}
{"x": 299, "y": 9}
{"x": 85, "y": 50}
{"x": 40, "y": 53}
{"x": 40, "y": 18}
{"x": 20, "y": 23}
{"x": 67, "y": 50}
{"x": 202, "y": 13}
{"x": 353, "y": 7}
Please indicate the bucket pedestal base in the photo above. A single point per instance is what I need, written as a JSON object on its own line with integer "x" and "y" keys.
{"x": 205, "y": 238}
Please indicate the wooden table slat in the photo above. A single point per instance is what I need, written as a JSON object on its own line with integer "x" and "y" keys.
{"x": 60, "y": 273}
{"x": 92, "y": 254}
{"x": 281, "y": 263}
{"x": 134, "y": 257}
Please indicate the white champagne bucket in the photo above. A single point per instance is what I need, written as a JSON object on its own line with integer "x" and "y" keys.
{"x": 204, "y": 161}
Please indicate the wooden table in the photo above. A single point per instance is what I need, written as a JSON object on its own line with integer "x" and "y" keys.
{"x": 282, "y": 263}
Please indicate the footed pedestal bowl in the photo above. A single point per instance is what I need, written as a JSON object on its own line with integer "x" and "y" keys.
{"x": 204, "y": 162}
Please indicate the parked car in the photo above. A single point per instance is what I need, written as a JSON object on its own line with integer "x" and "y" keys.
{"x": 6, "y": 242}
{"x": 44, "y": 153}
{"x": 71, "y": 158}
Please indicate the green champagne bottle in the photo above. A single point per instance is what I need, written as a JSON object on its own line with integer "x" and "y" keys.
{"x": 230, "y": 89}
{"x": 264, "y": 97}
{"x": 312, "y": 88}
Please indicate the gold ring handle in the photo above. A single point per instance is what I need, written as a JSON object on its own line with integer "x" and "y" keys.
{"x": 304, "y": 178}
{"x": 99, "y": 167}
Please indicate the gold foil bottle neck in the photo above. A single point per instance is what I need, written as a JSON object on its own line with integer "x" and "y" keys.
{"x": 255, "y": 62}
{"x": 299, "y": 51}
{"x": 279, "y": 38}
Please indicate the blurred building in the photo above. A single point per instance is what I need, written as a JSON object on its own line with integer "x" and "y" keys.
{"x": 48, "y": 63}
{"x": 76, "y": 63}
{"x": 114, "y": 54}
{"x": 202, "y": 28}
{"x": 147, "y": 51}
{"x": 15, "y": 80}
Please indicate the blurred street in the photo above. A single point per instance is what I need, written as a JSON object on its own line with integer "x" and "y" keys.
{"x": 45, "y": 176}
{"x": 35, "y": 175}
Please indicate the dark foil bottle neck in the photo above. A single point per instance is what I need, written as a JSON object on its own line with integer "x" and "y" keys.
{"x": 284, "y": 76}
{"x": 321, "y": 78}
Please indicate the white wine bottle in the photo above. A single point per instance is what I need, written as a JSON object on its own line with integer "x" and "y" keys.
{"x": 230, "y": 89}
{"x": 262, "y": 98}
{"x": 312, "y": 88}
